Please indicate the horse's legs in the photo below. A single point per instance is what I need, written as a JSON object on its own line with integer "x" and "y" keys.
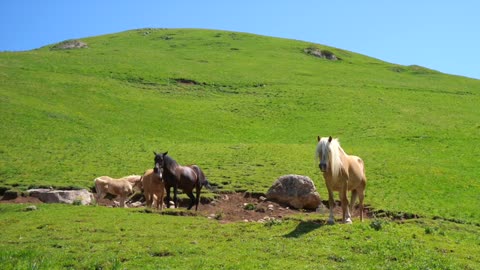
{"x": 160, "y": 198}
{"x": 148, "y": 200}
{"x": 192, "y": 200}
{"x": 344, "y": 201}
{"x": 331, "y": 205}
{"x": 353, "y": 199}
{"x": 99, "y": 196}
{"x": 361, "y": 196}
{"x": 175, "y": 199}
{"x": 198, "y": 189}
{"x": 122, "y": 201}
{"x": 168, "y": 196}
{"x": 157, "y": 201}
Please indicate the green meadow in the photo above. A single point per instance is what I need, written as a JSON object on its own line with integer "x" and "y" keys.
{"x": 246, "y": 109}
{"x": 86, "y": 237}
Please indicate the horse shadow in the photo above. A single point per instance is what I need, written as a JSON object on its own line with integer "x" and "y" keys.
{"x": 305, "y": 227}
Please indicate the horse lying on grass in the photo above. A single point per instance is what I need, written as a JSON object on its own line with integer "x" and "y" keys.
{"x": 122, "y": 187}
{"x": 342, "y": 173}
{"x": 153, "y": 188}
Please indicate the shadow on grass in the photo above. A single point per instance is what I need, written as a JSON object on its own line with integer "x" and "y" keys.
{"x": 305, "y": 227}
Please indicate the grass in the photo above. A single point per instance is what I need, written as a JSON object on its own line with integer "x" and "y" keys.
{"x": 246, "y": 109}
{"x": 97, "y": 237}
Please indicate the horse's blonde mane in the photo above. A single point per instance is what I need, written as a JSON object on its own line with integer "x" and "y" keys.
{"x": 334, "y": 157}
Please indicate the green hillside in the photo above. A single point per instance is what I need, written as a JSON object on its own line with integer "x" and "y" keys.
{"x": 245, "y": 108}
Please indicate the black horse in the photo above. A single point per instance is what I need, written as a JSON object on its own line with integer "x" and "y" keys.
{"x": 184, "y": 177}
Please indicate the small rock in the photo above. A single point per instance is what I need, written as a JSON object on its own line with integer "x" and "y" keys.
{"x": 82, "y": 196}
{"x": 31, "y": 208}
{"x": 262, "y": 198}
{"x": 10, "y": 195}
{"x": 136, "y": 204}
{"x": 321, "y": 209}
{"x": 225, "y": 197}
{"x": 260, "y": 210}
{"x": 298, "y": 191}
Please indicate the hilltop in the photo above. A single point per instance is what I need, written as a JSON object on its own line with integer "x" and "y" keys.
{"x": 244, "y": 107}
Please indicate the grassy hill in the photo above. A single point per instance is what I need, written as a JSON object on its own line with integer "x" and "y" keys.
{"x": 246, "y": 108}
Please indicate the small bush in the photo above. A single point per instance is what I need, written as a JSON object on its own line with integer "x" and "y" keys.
{"x": 429, "y": 230}
{"x": 272, "y": 222}
{"x": 219, "y": 216}
{"x": 77, "y": 201}
{"x": 250, "y": 206}
{"x": 376, "y": 224}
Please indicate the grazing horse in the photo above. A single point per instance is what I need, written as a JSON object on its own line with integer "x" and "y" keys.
{"x": 153, "y": 188}
{"x": 120, "y": 187}
{"x": 342, "y": 173}
{"x": 184, "y": 177}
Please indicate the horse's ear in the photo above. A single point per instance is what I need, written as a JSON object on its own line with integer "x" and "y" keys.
{"x": 318, "y": 138}
{"x": 164, "y": 154}
{"x": 330, "y": 139}
{"x": 155, "y": 153}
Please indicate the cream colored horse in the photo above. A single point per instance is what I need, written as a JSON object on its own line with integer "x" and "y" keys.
{"x": 122, "y": 187}
{"x": 342, "y": 173}
{"x": 153, "y": 189}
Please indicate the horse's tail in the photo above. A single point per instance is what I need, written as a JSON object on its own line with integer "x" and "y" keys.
{"x": 207, "y": 184}
{"x": 202, "y": 179}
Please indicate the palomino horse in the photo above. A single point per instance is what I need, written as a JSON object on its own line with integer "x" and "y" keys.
{"x": 153, "y": 188}
{"x": 184, "y": 177}
{"x": 342, "y": 173}
{"x": 120, "y": 187}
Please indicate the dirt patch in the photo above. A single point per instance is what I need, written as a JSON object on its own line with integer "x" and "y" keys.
{"x": 233, "y": 207}
{"x": 244, "y": 207}
{"x": 22, "y": 199}
{"x": 186, "y": 81}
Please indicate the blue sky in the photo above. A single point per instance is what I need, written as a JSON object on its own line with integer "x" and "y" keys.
{"x": 441, "y": 35}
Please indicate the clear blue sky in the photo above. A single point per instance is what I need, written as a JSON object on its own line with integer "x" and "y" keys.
{"x": 437, "y": 34}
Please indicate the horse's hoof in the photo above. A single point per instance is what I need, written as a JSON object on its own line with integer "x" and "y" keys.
{"x": 331, "y": 222}
{"x": 348, "y": 221}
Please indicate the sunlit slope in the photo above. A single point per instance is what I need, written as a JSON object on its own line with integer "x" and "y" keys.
{"x": 244, "y": 107}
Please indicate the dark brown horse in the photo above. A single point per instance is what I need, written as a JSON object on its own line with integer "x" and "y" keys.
{"x": 181, "y": 177}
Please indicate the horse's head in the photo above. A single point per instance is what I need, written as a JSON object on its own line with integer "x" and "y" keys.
{"x": 159, "y": 163}
{"x": 323, "y": 151}
{"x": 138, "y": 185}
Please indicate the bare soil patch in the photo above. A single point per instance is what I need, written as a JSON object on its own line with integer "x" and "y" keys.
{"x": 232, "y": 207}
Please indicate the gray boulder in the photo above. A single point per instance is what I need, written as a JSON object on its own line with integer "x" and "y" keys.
{"x": 297, "y": 191}
{"x": 81, "y": 196}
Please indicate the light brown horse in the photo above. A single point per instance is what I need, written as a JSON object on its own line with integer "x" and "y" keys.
{"x": 342, "y": 173}
{"x": 122, "y": 187}
{"x": 153, "y": 188}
